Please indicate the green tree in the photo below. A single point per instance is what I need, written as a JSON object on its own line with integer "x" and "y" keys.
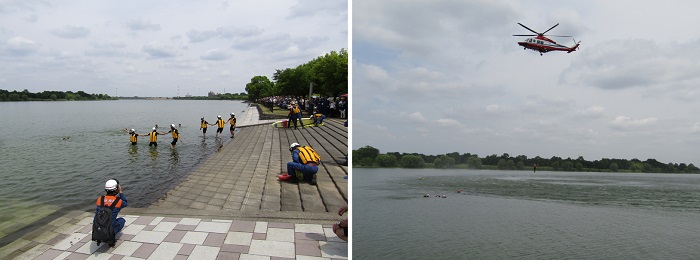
{"x": 368, "y": 162}
{"x": 331, "y": 71}
{"x": 474, "y": 162}
{"x": 444, "y": 161}
{"x": 386, "y": 160}
{"x": 14, "y": 97}
{"x": 510, "y": 165}
{"x": 367, "y": 152}
{"x": 502, "y": 164}
{"x": 53, "y": 97}
{"x": 258, "y": 87}
{"x": 25, "y": 97}
{"x": 412, "y": 161}
{"x": 567, "y": 166}
{"x": 292, "y": 81}
{"x": 3, "y": 97}
{"x": 556, "y": 166}
{"x": 520, "y": 165}
{"x": 614, "y": 167}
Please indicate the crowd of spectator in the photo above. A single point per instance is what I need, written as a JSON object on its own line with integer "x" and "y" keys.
{"x": 329, "y": 106}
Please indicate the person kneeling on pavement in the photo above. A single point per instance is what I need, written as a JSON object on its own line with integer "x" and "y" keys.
{"x": 106, "y": 225}
{"x": 304, "y": 164}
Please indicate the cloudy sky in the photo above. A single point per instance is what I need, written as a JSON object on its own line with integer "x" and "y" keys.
{"x": 448, "y": 76}
{"x": 149, "y": 48}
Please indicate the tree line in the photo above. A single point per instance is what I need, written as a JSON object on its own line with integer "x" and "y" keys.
{"x": 25, "y": 95}
{"x": 222, "y": 96}
{"x": 328, "y": 73}
{"x": 369, "y": 156}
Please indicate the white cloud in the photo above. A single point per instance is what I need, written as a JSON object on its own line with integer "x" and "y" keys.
{"x": 448, "y": 122}
{"x": 216, "y": 55}
{"x": 141, "y": 25}
{"x": 71, "y": 32}
{"x": 623, "y": 122}
{"x": 416, "y": 117}
{"x": 696, "y": 128}
{"x": 592, "y": 111}
{"x": 157, "y": 50}
{"x": 20, "y": 46}
{"x": 496, "y": 109}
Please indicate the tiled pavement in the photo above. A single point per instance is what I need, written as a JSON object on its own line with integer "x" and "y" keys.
{"x": 149, "y": 237}
{"x": 232, "y": 207}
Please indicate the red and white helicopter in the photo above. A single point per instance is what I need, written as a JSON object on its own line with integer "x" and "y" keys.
{"x": 543, "y": 44}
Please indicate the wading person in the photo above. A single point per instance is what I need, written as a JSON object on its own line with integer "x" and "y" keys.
{"x": 133, "y": 136}
{"x": 176, "y": 136}
{"x": 220, "y": 123}
{"x": 106, "y": 225}
{"x": 232, "y": 121}
{"x": 153, "y": 137}
{"x": 203, "y": 126}
{"x": 304, "y": 164}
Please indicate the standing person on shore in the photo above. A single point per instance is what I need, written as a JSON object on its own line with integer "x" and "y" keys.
{"x": 176, "y": 136}
{"x": 332, "y": 105}
{"x": 106, "y": 225}
{"x": 232, "y": 121}
{"x": 289, "y": 116}
{"x": 220, "y": 123}
{"x": 341, "y": 108}
{"x": 203, "y": 126}
{"x": 296, "y": 115}
{"x": 304, "y": 164}
{"x": 153, "y": 137}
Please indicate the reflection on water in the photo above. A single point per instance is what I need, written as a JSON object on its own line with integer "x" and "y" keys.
{"x": 174, "y": 157}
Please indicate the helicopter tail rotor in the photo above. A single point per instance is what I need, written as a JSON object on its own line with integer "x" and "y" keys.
{"x": 575, "y": 47}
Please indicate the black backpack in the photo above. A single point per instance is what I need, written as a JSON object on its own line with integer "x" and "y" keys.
{"x": 102, "y": 225}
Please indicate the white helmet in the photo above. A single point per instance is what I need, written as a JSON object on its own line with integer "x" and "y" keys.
{"x": 232, "y": 114}
{"x": 291, "y": 146}
{"x": 111, "y": 185}
{"x": 132, "y": 130}
{"x": 154, "y": 129}
{"x": 218, "y": 116}
{"x": 172, "y": 125}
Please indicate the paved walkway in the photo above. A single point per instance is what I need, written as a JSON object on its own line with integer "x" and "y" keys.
{"x": 232, "y": 207}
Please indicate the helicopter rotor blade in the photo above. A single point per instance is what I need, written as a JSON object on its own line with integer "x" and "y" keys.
{"x": 559, "y": 35}
{"x": 550, "y": 28}
{"x": 533, "y": 31}
{"x": 524, "y": 34}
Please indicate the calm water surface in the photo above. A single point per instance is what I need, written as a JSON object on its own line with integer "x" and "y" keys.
{"x": 524, "y": 215}
{"x": 56, "y": 156}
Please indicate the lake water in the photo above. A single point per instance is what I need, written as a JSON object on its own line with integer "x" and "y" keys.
{"x": 56, "y": 156}
{"x": 524, "y": 215}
